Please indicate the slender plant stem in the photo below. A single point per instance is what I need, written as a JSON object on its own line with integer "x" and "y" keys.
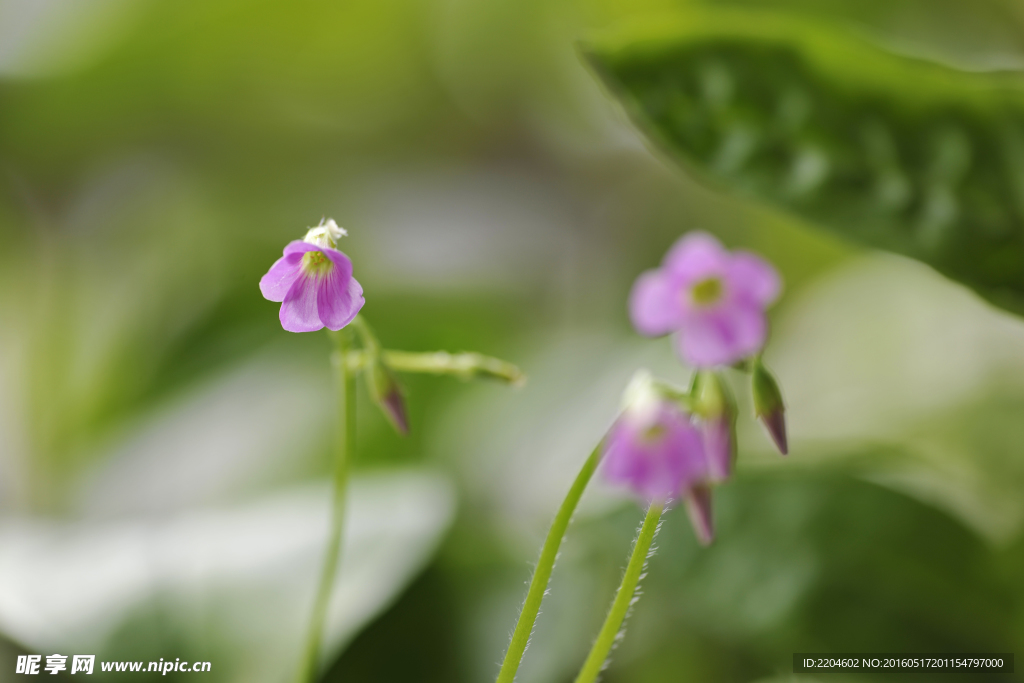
{"x": 623, "y": 599}
{"x": 345, "y": 437}
{"x": 541, "y": 575}
{"x": 371, "y": 345}
{"x": 462, "y": 365}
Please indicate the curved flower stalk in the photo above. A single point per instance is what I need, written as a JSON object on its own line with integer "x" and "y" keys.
{"x": 314, "y": 283}
{"x": 672, "y": 446}
{"x": 542, "y": 574}
{"x": 624, "y": 596}
{"x": 654, "y": 448}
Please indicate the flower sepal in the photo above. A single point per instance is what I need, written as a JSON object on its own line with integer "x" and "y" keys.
{"x": 768, "y": 405}
{"x": 698, "y": 507}
{"x": 714, "y": 403}
{"x": 387, "y": 393}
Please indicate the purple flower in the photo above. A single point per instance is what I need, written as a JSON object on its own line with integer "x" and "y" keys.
{"x": 714, "y": 299}
{"x": 654, "y": 447}
{"x": 314, "y": 283}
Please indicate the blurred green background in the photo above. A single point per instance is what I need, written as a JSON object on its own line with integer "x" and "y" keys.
{"x": 162, "y": 439}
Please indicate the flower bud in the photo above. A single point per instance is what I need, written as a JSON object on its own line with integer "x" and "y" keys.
{"x": 698, "y": 506}
{"x": 717, "y": 408}
{"x": 387, "y": 394}
{"x": 768, "y": 406}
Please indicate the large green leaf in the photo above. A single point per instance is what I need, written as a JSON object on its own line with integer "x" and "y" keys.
{"x": 892, "y": 152}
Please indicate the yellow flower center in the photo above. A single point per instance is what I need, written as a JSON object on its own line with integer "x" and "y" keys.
{"x": 707, "y": 292}
{"x": 316, "y": 262}
{"x": 653, "y": 433}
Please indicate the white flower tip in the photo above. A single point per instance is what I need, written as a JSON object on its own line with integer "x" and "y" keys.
{"x": 326, "y": 234}
{"x": 640, "y": 394}
{"x": 333, "y": 229}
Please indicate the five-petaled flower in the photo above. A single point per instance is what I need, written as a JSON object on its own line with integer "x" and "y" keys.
{"x": 314, "y": 283}
{"x": 715, "y": 300}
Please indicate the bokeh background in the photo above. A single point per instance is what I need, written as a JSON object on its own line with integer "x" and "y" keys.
{"x": 165, "y": 446}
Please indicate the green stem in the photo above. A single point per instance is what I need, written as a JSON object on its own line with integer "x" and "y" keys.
{"x": 541, "y": 575}
{"x": 345, "y": 437}
{"x": 461, "y": 365}
{"x": 371, "y": 344}
{"x": 623, "y": 599}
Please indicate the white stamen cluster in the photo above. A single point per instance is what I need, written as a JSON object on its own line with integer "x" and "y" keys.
{"x": 326, "y": 234}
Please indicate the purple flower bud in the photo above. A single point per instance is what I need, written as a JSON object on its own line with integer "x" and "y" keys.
{"x": 718, "y": 443}
{"x": 768, "y": 406}
{"x": 698, "y": 505}
{"x": 654, "y": 447}
{"x": 717, "y": 410}
{"x": 715, "y": 300}
{"x": 314, "y": 283}
{"x": 394, "y": 407}
{"x": 387, "y": 394}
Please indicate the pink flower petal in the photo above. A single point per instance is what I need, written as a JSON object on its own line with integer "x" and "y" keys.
{"x": 339, "y": 296}
{"x": 751, "y": 276}
{"x": 338, "y": 300}
{"x": 723, "y": 335}
{"x": 299, "y": 247}
{"x": 653, "y": 305}
{"x": 282, "y": 275}
{"x": 342, "y": 263}
{"x": 694, "y": 257}
{"x": 299, "y": 310}
{"x": 659, "y": 467}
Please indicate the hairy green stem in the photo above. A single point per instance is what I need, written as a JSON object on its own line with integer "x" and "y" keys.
{"x": 623, "y": 599}
{"x": 345, "y": 437}
{"x": 461, "y": 365}
{"x": 541, "y": 575}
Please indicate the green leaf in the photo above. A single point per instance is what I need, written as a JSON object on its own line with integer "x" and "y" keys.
{"x": 888, "y": 151}
{"x": 230, "y": 585}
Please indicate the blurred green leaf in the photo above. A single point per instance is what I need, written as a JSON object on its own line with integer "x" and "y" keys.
{"x": 887, "y": 364}
{"x": 979, "y": 35}
{"x": 811, "y": 561}
{"x": 231, "y": 585}
{"x": 889, "y": 151}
